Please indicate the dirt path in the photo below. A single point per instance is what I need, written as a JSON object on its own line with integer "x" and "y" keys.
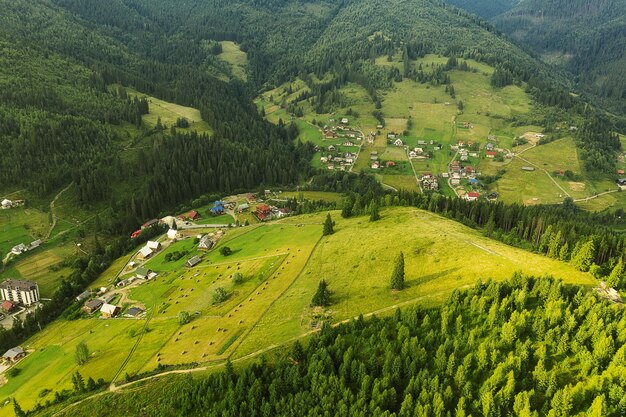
{"x": 54, "y": 216}
{"x": 580, "y": 200}
{"x": 546, "y": 172}
{"x": 414, "y": 171}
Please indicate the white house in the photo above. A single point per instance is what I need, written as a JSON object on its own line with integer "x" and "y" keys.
{"x": 20, "y": 291}
{"x": 398, "y": 142}
{"x": 6, "y": 204}
{"x": 172, "y": 234}
{"x": 19, "y": 249}
{"x": 344, "y": 121}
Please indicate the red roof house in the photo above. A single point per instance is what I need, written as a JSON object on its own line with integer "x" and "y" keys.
{"x": 135, "y": 234}
{"x": 469, "y": 169}
{"x": 472, "y": 195}
{"x": 193, "y": 215}
{"x": 491, "y": 154}
{"x": 390, "y": 164}
{"x": 8, "y": 306}
{"x": 620, "y": 171}
{"x": 263, "y": 212}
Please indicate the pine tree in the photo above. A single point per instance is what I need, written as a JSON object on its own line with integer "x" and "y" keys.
{"x": 374, "y": 212}
{"x": 17, "y": 409}
{"x": 397, "y": 277}
{"x": 322, "y": 295}
{"x": 329, "y": 226}
{"x": 615, "y": 278}
{"x": 564, "y": 252}
{"x": 553, "y": 247}
{"x": 582, "y": 258}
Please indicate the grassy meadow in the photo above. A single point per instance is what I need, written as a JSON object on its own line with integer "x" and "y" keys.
{"x": 281, "y": 264}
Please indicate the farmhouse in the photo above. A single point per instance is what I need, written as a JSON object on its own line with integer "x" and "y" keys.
{"x": 264, "y": 212}
{"x": 92, "y": 305}
{"x": 283, "y": 212}
{"x": 193, "y": 215}
{"x": 218, "y": 208}
{"x": 193, "y": 261}
{"x": 472, "y": 196}
{"x": 109, "y": 310}
{"x": 142, "y": 273}
{"x": 398, "y": 142}
{"x": 133, "y": 312}
{"x": 20, "y": 291}
{"x": 323, "y": 159}
{"x": 14, "y": 354}
{"x": 205, "y": 243}
{"x": 375, "y": 165}
{"x": 8, "y": 306}
{"x": 149, "y": 249}
{"x": 491, "y": 154}
{"x": 412, "y": 154}
{"x": 83, "y": 295}
{"x": 244, "y": 207}
{"x": 19, "y": 249}
{"x": 6, "y": 204}
{"x": 149, "y": 223}
{"x": 172, "y": 234}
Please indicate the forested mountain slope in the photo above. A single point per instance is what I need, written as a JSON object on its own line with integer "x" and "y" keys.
{"x": 587, "y": 38}
{"x": 485, "y": 8}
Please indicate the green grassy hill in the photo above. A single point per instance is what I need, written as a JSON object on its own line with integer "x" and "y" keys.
{"x": 282, "y": 264}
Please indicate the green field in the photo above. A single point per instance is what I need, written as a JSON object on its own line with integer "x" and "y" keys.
{"x": 236, "y": 58}
{"x": 170, "y": 112}
{"x": 281, "y": 263}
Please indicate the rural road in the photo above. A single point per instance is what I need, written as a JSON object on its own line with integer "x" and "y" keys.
{"x": 54, "y": 216}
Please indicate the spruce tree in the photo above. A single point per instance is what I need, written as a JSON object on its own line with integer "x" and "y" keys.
{"x": 581, "y": 259}
{"x": 397, "y": 277}
{"x": 374, "y": 212}
{"x": 17, "y": 409}
{"x": 322, "y": 295}
{"x": 615, "y": 278}
{"x": 329, "y": 226}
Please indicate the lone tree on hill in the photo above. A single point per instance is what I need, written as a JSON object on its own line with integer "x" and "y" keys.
{"x": 329, "y": 226}
{"x": 397, "y": 278}
{"x": 226, "y": 251}
{"x": 82, "y": 353}
{"x": 322, "y": 295}
{"x": 374, "y": 212}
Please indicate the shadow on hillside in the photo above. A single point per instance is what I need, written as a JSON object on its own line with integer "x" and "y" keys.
{"x": 428, "y": 278}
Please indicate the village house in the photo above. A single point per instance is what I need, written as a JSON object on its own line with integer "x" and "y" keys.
{"x": 455, "y": 181}
{"x": 142, "y": 273}
{"x": 323, "y": 159}
{"x": 217, "y": 209}
{"x": 20, "y": 291}
{"x": 348, "y": 143}
{"x": 205, "y": 243}
{"x": 528, "y": 169}
{"x": 149, "y": 223}
{"x": 193, "y": 215}
{"x": 375, "y": 165}
{"x": 389, "y": 164}
{"x": 83, "y": 295}
{"x": 133, "y": 312}
{"x": 109, "y": 310}
{"x": 374, "y": 156}
{"x": 473, "y": 181}
{"x": 472, "y": 196}
{"x": 243, "y": 207}
{"x": 398, "y": 142}
{"x": 193, "y": 261}
{"x": 283, "y": 212}
{"x": 331, "y": 148}
{"x": 489, "y": 147}
{"x": 135, "y": 234}
{"x": 172, "y": 234}
{"x": 412, "y": 154}
{"x": 92, "y": 306}
{"x": 13, "y": 355}
{"x": 264, "y": 212}
{"x": 491, "y": 154}
{"x": 469, "y": 170}
{"x": 8, "y": 306}
{"x": 150, "y": 248}
{"x": 345, "y": 121}
{"x": 19, "y": 249}
{"x": 6, "y": 204}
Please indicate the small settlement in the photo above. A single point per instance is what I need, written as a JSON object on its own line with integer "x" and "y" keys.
{"x": 342, "y": 150}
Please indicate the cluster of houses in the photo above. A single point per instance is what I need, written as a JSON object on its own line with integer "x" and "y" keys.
{"x": 104, "y": 306}
{"x": 9, "y": 204}
{"x": 340, "y": 130}
{"x": 335, "y": 159}
{"x": 424, "y": 149}
{"x": 148, "y": 250}
{"x": 429, "y": 182}
{"x": 265, "y": 212}
{"x": 22, "y": 248}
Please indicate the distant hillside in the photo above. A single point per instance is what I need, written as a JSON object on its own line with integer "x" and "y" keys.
{"x": 586, "y": 37}
{"x": 485, "y": 8}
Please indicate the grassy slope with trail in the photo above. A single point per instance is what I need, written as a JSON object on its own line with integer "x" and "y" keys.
{"x": 282, "y": 264}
